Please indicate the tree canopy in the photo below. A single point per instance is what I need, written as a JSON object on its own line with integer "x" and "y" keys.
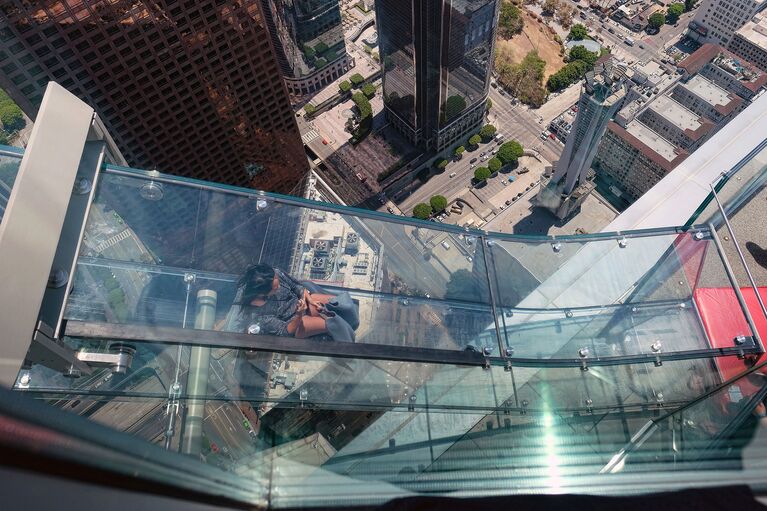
{"x": 440, "y": 163}
{"x": 578, "y": 32}
{"x": 459, "y": 150}
{"x": 674, "y": 11}
{"x": 510, "y": 20}
{"x": 482, "y": 173}
{"x": 580, "y": 61}
{"x": 510, "y": 152}
{"x": 369, "y": 90}
{"x": 549, "y": 7}
{"x": 494, "y": 164}
{"x": 474, "y": 140}
{"x": 345, "y": 86}
{"x": 422, "y": 211}
{"x": 356, "y": 79}
{"x": 454, "y": 105}
{"x": 656, "y": 20}
{"x": 522, "y": 79}
{"x": 438, "y": 203}
{"x": 487, "y": 132}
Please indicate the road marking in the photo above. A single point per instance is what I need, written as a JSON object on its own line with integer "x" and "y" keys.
{"x": 309, "y": 136}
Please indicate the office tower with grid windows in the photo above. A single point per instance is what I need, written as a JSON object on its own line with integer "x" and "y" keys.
{"x": 716, "y": 21}
{"x": 437, "y": 58}
{"x": 190, "y": 88}
{"x": 309, "y": 40}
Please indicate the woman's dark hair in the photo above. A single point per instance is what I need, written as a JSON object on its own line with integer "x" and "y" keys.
{"x": 256, "y": 282}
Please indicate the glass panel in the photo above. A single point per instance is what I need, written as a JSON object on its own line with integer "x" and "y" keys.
{"x": 9, "y": 166}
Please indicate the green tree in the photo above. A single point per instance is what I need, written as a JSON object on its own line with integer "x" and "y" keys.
{"x": 309, "y": 52}
{"x": 320, "y": 48}
{"x": 459, "y": 151}
{"x": 345, "y": 86}
{"x": 522, "y": 79}
{"x": 510, "y": 20}
{"x": 482, "y": 173}
{"x": 581, "y": 53}
{"x": 489, "y": 104}
{"x": 656, "y": 20}
{"x": 510, "y": 152}
{"x": 578, "y": 32}
{"x": 440, "y": 163}
{"x": 366, "y": 116}
{"x": 474, "y": 140}
{"x": 369, "y": 90}
{"x": 356, "y": 79}
{"x": 11, "y": 117}
{"x": 494, "y": 164}
{"x": 689, "y": 5}
{"x": 487, "y": 132}
{"x": 438, "y": 203}
{"x": 422, "y": 211}
{"x": 309, "y": 109}
{"x": 4, "y": 140}
{"x": 674, "y": 11}
{"x": 454, "y": 105}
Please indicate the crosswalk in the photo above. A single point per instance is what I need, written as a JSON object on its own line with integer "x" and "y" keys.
{"x": 114, "y": 240}
{"x": 309, "y": 136}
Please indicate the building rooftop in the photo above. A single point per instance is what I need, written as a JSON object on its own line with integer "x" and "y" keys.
{"x": 755, "y": 31}
{"x": 745, "y": 72}
{"x": 650, "y": 143}
{"x": 678, "y": 115}
{"x": 709, "y": 92}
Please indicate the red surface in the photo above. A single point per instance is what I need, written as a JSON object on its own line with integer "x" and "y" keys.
{"x": 723, "y": 320}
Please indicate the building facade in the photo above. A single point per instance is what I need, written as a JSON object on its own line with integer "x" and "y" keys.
{"x": 437, "y": 58}
{"x": 750, "y": 42}
{"x": 650, "y": 136}
{"x": 716, "y": 21}
{"x": 192, "y": 89}
{"x": 309, "y": 40}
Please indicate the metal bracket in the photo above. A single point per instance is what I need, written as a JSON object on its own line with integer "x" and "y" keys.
{"x": 50, "y": 352}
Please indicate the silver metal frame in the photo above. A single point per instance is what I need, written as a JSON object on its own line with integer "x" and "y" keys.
{"x": 32, "y": 224}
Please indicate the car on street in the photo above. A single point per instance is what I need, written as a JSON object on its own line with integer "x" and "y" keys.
{"x": 544, "y": 135}
{"x": 641, "y": 46}
{"x": 390, "y": 210}
{"x": 473, "y": 160}
{"x": 452, "y": 174}
{"x": 508, "y": 202}
{"x": 611, "y": 30}
{"x": 481, "y": 154}
{"x": 445, "y": 245}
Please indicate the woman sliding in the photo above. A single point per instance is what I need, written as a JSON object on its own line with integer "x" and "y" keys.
{"x": 274, "y": 303}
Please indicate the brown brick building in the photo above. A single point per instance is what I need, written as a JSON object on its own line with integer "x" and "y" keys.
{"x": 187, "y": 87}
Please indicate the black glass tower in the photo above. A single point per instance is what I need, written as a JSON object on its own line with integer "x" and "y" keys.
{"x": 437, "y": 58}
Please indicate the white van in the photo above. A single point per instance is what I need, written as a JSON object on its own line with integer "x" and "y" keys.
{"x": 452, "y": 174}
{"x": 446, "y": 245}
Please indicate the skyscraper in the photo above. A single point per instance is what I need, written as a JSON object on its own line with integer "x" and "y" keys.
{"x": 437, "y": 59}
{"x": 309, "y": 41}
{"x": 717, "y": 20}
{"x": 602, "y": 95}
{"x": 191, "y": 88}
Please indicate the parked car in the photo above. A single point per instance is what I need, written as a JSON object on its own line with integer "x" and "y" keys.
{"x": 508, "y": 202}
{"x": 390, "y": 210}
{"x": 446, "y": 245}
{"x": 473, "y": 160}
{"x": 452, "y": 174}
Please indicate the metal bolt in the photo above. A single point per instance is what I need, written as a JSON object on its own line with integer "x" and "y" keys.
{"x": 589, "y": 402}
{"x": 623, "y": 242}
{"x": 189, "y": 277}
{"x": 682, "y": 305}
{"x": 740, "y": 340}
{"x": 261, "y": 204}
{"x": 698, "y": 235}
{"x": 82, "y": 186}
{"x": 509, "y": 352}
{"x": 568, "y": 313}
{"x": 655, "y": 347}
{"x": 58, "y": 278}
{"x": 556, "y": 247}
{"x": 659, "y": 396}
{"x": 487, "y": 350}
{"x": 634, "y": 309}
{"x": 583, "y": 352}
{"x": 24, "y": 380}
{"x": 509, "y": 314}
{"x": 490, "y": 243}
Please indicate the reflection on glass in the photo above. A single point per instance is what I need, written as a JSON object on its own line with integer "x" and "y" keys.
{"x": 9, "y": 166}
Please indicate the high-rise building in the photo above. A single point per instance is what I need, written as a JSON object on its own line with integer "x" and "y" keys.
{"x": 437, "y": 58}
{"x": 717, "y": 20}
{"x": 187, "y": 88}
{"x": 309, "y": 40}
{"x": 750, "y": 42}
{"x": 654, "y": 133}
{"x": 603, "y": 94}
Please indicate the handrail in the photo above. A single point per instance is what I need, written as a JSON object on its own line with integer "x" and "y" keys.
{"x": 395, "y": 219}
{"x": 290, "y": 345}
